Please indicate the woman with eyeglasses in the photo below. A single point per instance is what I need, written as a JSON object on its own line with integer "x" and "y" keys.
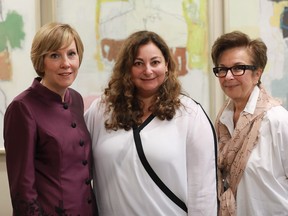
{"x": 252, "y": 129}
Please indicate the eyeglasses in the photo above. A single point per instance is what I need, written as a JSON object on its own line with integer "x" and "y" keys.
{"x": 236, "y": 70}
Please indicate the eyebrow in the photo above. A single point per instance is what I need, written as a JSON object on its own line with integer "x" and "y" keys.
{"x": 153, "y": 58}
{"x": 235, "y": 64}
{"x": 156, "y": 57}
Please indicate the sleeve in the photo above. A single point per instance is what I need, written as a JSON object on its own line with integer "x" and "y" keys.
{"x": 19, "y": 142}
{"x": 93, "y": 125}
{"x": 279, "y": 126}
{"x": 201, "y": 165}
{"x": 89, "y": 118}
{"x": 92, "y": 117}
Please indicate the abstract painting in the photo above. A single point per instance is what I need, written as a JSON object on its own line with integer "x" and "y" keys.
{"x": 17, "y": 27}
{"x": 106, "y": 23}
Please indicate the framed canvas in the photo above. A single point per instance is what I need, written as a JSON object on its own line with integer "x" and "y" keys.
{"x": 103, "y": 25}
{"x": 17, "y": 26}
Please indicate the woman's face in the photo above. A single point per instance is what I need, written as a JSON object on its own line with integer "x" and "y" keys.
{"x": 238, "y": 88}
{"x": 148, "y": 70}
{"x": 61, "y": 68}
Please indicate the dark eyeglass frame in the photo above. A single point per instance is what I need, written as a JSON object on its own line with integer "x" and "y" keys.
{"x": 241, "y": 68}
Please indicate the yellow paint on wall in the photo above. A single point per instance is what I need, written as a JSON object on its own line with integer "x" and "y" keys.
{"x": 277, "y": 13}
{"x": 195, "y": 14}
{"x": 100, "y": 64}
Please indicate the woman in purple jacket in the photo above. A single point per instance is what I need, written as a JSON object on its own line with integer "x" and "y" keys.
{"x": 48, "y": 147}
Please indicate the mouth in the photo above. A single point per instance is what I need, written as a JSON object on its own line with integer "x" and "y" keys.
{"x": 148, "y": 79}
{"x": 230, "y": 85}
{"x": 65, "y": 74}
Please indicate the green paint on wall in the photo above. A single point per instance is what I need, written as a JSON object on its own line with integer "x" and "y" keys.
{"x": 11, "y": 31}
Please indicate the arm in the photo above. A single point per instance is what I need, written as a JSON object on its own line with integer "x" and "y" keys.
{"x": 278, "y": 126}
{"x": 92, "y": 117}
{"x": 20, "y": 141}
{"x": 201, "y": 166}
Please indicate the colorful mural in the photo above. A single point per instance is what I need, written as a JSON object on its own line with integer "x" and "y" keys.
{"x": 11, "y": 35}
{"x": 15, "y": 61}
{"x": 183, "y": 24}
{"x": 274, "y": 31}
{"x": 192, "y": 55}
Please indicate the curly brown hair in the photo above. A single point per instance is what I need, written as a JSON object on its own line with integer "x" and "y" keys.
{"x": 120, "y": 96}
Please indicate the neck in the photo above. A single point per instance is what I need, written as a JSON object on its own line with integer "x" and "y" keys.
{"x": 238, "y": 108}
{"x": 146, "y": 101}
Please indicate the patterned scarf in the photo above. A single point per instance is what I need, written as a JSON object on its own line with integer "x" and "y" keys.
{"x": 234, "y": 151}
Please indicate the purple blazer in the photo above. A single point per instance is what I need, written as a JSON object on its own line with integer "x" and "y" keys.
{"x": 48, "y": 154}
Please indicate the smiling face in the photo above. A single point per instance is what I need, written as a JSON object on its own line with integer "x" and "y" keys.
{"x": 238, "y": 88}
{"x": 148, "y": 70}
{"x": 61, "y": 68}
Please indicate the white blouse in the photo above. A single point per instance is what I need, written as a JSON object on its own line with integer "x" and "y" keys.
{"x": 122, "y": 185}
{"x": 263, "y": 188}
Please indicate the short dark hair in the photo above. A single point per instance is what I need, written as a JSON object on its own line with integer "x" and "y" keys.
{"x": 256, "y": 47}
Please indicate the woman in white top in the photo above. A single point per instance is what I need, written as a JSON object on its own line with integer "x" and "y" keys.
{"x": 252, "y": 129}
{"x": 142, "y": 128}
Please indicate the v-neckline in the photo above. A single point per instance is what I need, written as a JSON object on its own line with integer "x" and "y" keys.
{"x": 146, "y": 122}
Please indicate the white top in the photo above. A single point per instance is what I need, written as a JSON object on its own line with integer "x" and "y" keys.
{"x": 122, "y": 185}
{"x": 263, "y": 189}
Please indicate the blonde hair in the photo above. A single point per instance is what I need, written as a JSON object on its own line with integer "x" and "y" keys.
{"x": 51, "y": 37}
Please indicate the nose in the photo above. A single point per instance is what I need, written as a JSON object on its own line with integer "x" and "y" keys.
{"x": 65, "y": 62}
{"x": 148, "y": 69}
{"x": 229, "y": 75}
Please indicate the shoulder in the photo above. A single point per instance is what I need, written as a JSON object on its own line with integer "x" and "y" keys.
{"x": 24, "y": 99}
{"x": 193, "y": 109}
{"x": 188, "y": 102}
{"x": 19, "y": 109}
{"x": 89, "y": 99}
{"x": 96, "y": 106}
{"x": 277, "y": 115}
{"x": 94, "y": 114}
{"x": 190, "y": 105}
{"x": 75, "y": 94}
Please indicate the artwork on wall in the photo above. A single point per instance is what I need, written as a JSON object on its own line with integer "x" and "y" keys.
{"x": 106, "y": 23}
{"x": 17, "y": 27}
{"x": 268, "y": 20}
{"x": 103, "y": 25}
{"x": 274, "y": 31}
